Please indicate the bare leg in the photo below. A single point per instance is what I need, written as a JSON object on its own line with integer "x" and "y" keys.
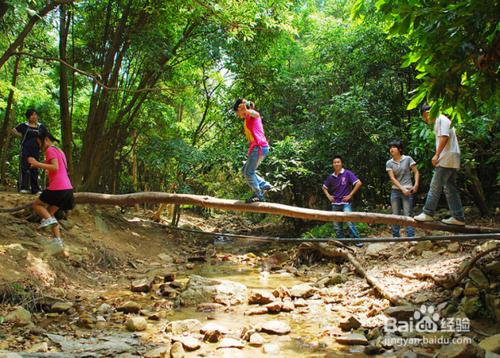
{"x": 41, "y": 209}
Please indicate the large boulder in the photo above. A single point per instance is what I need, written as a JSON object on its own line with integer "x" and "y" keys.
{"x": 201, "y": 290}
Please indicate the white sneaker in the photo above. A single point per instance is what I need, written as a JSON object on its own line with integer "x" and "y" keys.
{"x": 58, "y": 241}
{"x": 47, "y": 222}
{"x": 423, "y": 217}
{"x": 24, "y": 191}
{"x": 452, "y": 221}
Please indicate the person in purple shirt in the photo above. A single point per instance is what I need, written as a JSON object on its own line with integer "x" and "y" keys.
{"x": 339, "y": 188}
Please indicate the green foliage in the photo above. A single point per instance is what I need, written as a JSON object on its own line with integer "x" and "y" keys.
{"x": 328, "y": 231}
{"x": 459, "y": 72}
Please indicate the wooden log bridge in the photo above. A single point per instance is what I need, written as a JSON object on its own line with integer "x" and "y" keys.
{"x": 269, "y": 208}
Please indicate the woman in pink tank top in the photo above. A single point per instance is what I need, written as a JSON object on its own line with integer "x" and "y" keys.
{"x": 257, "y": 150}
{"x": 59, "y": 193}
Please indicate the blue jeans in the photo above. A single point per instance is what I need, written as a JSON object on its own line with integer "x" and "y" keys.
{"x": 339, "y": 226}
{"x": 444, "y": 178}
{"x": 401, "y": 205}
{"x": 254, "y": 181}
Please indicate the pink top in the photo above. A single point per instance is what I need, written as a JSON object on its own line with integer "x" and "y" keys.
{"x": 58, "y": 180}
{"x": 254, "y": 131}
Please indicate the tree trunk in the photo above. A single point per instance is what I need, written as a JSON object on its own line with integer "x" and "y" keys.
{"x": 5, "y": 131}
{"x": 476, "y": 190}
{"x": 3, "y": 8}
{"x": 66, "y": 125}
{"x": 28, "y": 27}
{"x": 269, "y": 208}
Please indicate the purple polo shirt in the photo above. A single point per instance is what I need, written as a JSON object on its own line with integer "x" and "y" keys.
{"x": 341, "y": 185}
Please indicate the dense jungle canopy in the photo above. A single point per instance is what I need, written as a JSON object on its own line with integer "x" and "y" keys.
{"x": 141, "y": 91}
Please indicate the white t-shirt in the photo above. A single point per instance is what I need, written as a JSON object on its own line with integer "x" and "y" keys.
{"x": 450, "y": 156}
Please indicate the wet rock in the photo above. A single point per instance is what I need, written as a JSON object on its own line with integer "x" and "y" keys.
{"x": 427, "y": 254}
{"x": 457, "y": 292}
{"x": 246, "y": 332}
{"x": 276, "y": 327}
{"x": 281, "y": 292}
{"x": 454, "y": 247}
{"x": 373, "y": 350}
{"x": 261, "y": 297}
{"x": 187, "y": 325}
{"x": 352, "y": 339}
{"x": 471, "y": 292}
{"x": 177, "y": 350}
{"x": 288, "y": 306}
{"x": 493, "y": 268}
{"x": 200, "y": 290}
{"x": 349, "y": 323}
{"x": 85, "y": 321}
{"x": 167, "y": 291}
{"x": 303, "y": 290}
{"x": 375, "y": 249}
{"x": 190, "y": 266}
{"x": 213, "y": 332}
{"x": 400, "y": 313}
{"x": 274, "y": 307}
{"x": 231, "y": 343}
{"x": 136, "y": 323}
{"x": 169, "y": 277}
{"x": 479, "y": 278}
{"x": 129, "y": 307}
{"x": 188, "y": 343}
{"x": 493, "y": 306}
{"x": 256, "y": 340}
{"x": 210, "y": 307}
{"x": 270, "y": 348}
{"x": 39, "y": 348}
{"x": 373, "y": 333}
{"x": 61, "y": 307}
{"x": 160, "y": 352}
{"x": 460, "y": 351}
{"x": 256, "y": 311}
{"x": 472, "y": 306}
{"x": 141, "y": 285}
{"x": 420, "y": 298}
{"x": 300, "y": 303}
{"x": 110, "y": 346}
{"x": 37, "y": 331}
{"x": 104, "y": 308}
{"x": 491, "y": 344}
{"x": 20, "y": 317}
{"x": 422, "y": 246}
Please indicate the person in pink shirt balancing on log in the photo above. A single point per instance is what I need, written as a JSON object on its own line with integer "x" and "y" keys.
{"x": 257, "y": 151}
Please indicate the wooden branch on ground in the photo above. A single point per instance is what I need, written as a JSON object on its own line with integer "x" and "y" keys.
{"x": 451, "y": 283}
{"x": 269, "y": 208}
{"x": 329, "y": 251}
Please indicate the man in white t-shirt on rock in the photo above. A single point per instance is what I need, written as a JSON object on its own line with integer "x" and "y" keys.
{"x": 446, "y": 160}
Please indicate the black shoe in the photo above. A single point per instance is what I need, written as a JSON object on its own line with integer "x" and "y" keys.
{"x": 254, "y": 199}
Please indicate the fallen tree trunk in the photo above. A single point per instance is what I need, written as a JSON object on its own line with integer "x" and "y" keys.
{"x": 268, "y": 208}
{"x": 328, "y": 251}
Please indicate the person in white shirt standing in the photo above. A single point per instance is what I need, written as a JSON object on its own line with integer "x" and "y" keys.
{"x": 446, "y": 161}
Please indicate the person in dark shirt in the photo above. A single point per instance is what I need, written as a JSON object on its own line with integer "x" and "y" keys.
{"x": 28, "y": 132}
{"x": 339, "y": 188}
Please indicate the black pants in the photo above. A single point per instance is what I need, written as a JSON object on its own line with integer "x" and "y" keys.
{"x": 27, "y": 176}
